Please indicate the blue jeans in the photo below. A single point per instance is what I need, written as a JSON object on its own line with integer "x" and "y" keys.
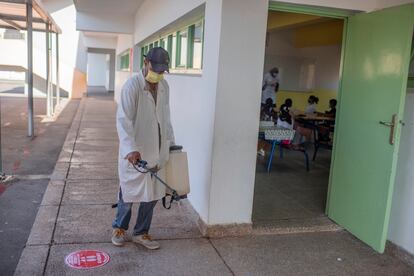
{"x": 144, "y": 218}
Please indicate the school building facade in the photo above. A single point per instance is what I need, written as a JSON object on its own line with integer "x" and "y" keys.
{"x": 217, "y": 51}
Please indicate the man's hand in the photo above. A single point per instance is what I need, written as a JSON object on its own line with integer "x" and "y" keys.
{"x": 155, "y": 169}
{"x": 133, "y": 157}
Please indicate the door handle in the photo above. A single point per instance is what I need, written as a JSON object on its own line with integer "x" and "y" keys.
{"x": 392, "y": 127}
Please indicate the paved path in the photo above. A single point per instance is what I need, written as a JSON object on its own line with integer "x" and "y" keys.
{"x": 76, "y": 214}
{"x": 32, "y": 161}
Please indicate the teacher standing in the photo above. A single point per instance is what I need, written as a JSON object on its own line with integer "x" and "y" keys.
{"x": 270, "y": 85}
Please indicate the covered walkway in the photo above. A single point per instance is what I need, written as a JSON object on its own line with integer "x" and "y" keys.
{"x": 76, "y": 214}
{"x": 30, "y": 16}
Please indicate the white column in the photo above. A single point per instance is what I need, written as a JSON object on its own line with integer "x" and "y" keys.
{"x": 57, "y": 71}
{"x": 236, "y": 123}
{"x": 48, "y": 92}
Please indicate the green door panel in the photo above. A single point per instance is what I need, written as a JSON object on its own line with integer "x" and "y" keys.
{"x": 373, "y": 87}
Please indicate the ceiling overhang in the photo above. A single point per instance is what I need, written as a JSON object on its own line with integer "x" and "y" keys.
{"x": 13, "y": 16}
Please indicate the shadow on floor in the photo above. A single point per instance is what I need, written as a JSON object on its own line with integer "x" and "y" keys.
{"x": 98, "y": 91}
{"x": 39, "y": 85}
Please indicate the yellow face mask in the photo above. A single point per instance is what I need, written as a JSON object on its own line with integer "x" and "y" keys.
{"x": 153, "y": 77}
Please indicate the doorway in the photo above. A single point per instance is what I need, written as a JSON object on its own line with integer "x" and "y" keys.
{"x": 374, "y": 71}
{"x": 306, "y": 50}
{"x": 100, "y": 71}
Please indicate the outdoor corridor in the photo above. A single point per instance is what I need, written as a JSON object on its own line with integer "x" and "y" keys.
{"x": 76, "y": 214}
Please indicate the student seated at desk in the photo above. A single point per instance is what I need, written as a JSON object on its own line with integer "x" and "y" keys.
{"x": 285, "y": 118}
{"x": 326, "y": 127}
{"x": 267, "y": 112}
{"x": 332, "y": 111}
{"x": 312, "y": 102}
{"x": 303, "y": 127}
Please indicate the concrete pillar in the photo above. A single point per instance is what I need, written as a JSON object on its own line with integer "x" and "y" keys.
{"x": 111, "y": 79}
{"x": 236, "y": 122}
{"x": 57, "y": 71}
{"x": 48, "y": 92}
{"x": 136, "y": 58}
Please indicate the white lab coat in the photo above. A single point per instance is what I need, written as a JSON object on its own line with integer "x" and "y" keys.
{"x": 137, "y": 122}
{"x": 269, "y": 84}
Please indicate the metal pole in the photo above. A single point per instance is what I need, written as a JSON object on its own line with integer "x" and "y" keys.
{"x": 48, "y": 109}
{"x": 52, "y": 101}
{"x": 29, "y": 21}
{"x": 57, "y": 71}
{"x": 1, "y": 159}
{"x": 3, "y": 177}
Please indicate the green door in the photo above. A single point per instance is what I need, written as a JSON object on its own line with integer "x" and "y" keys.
{"x": 373, "y": 88}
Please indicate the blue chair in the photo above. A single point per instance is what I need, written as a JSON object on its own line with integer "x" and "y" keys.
{"x": 274, "y": 143}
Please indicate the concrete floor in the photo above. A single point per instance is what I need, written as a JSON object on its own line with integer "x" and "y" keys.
{"x": 32, "y": 161}
{"x": 289, "y": 192}
{"x": 97, "y": 91}
{"x": 76, "y": 214}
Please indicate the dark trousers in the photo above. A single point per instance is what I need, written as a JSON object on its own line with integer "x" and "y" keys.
{"x": 144, "y": 218}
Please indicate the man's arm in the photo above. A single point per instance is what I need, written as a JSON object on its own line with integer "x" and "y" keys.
{"x": 126, "y": 113}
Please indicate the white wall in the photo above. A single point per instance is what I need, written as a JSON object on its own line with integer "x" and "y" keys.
{"x": 221, "y": 167}
{"x": 192, "y": 97}
{"x": 100, "y": 42}
{"x": 166, "y": 12}
{"x": 236, "y": 126}
{"x": 72, "y": 49}
{"x": 10, "y": 46}
{"x": 401, "y": 227}
{"x": 219, "y": 194}
{"x": 107, "y": 72}
{"x": 110, "y": 71}
{"x": 100, "y": 22}
{"x": 73, "y": 55}
{"x": 327, "y": 58}
{"x": 104, "y": 43}
{"x": 97, "y": 69}
{"x": 124, "y": 42}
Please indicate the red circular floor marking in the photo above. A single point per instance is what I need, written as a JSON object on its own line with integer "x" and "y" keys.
{"x": 84, "y": 259}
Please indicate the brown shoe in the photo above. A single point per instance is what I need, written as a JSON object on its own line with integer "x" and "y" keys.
{"x": 146, "y": 241}
{"x": 118, "y": 237}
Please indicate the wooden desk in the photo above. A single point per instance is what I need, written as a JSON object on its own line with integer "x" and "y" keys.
{"x": 314, "y": 118}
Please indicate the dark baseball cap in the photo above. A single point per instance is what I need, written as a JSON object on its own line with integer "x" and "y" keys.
{"x": 159, "y": 58}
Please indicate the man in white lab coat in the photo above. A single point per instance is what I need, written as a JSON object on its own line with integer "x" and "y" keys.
{"x": 145, "y": 132}
{"x": 270, "y": 85}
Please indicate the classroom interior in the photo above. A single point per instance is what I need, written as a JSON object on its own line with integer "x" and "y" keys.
{"x": 307, "y": 51}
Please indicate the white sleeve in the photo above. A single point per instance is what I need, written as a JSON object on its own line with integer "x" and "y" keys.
{"x": 125, "y": 118}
